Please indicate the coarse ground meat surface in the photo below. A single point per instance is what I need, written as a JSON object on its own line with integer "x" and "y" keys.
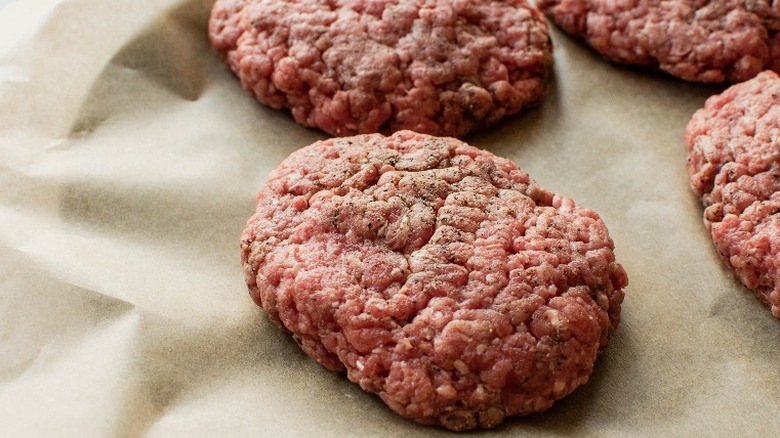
{"x": 696, "y": 40}
{"x": 734, "y": 163}
{"x": 439, "y": 276}
{"x": 442, "y": 67}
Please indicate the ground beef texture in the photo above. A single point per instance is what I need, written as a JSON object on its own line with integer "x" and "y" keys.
{"x": 734, "y": 164}
{"x": 437, "y": 275}
{"x": 696, "y": 40}
{"x": 443, "y": 67}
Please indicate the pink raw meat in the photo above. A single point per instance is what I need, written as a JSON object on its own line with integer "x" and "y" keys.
{"x": 734, "y": 163}
{"x": 443, "y": 67}
{"x": 696, "y": 40}
{"x": 439, "y": 276}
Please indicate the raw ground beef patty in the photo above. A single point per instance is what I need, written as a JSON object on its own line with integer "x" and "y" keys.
{"x": 734, "y": 163}
{"x": 443, "y": 67}
{"x": 439, "y": 276}
{"x": 697, "y": 40}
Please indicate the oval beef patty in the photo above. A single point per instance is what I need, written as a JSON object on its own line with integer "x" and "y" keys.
{"x": 734, "y": 163}
{"x": 696, "y": 40}
{"x": 442, "y": 67}
{"x": 439, "y": 276}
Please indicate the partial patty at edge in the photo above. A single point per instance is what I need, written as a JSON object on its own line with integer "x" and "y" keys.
{"x": 734, "y": 163}
{"x": 364, "y": 66}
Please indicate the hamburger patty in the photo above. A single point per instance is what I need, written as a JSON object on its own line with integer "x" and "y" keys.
{"x": 442, "y": 67}
{"x": 439, "y": 276}
{"x": 734, "y": 164}
{"x": 696, "y": 40}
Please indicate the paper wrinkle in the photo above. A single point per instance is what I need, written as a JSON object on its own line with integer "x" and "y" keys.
{"x": 120, "y": 269}
{"x": 89, "y": 378}
{"x": 61, "y": 314}
{"x": 130, "y": 158}
{"x": 164, "y": 54}
{"x": 87, "y": 256}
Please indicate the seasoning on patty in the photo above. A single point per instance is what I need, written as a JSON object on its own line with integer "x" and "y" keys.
{"x": 443, "y": 67}
{"x": 439, "y": 276}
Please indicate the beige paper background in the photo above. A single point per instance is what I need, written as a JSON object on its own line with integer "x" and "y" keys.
{"x": 129, "y": 161}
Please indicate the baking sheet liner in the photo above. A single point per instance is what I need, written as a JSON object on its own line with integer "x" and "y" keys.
{"x": 129, "y": 162}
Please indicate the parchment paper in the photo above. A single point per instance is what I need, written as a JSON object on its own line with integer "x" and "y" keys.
{"x": 129, "y": 162}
